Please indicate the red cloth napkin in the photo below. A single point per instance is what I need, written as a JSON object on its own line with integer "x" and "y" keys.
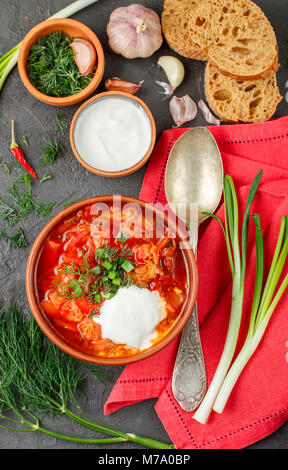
{"x": 258, "y": 404}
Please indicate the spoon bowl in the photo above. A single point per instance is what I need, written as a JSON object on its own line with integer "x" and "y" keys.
{"x": 194, "y": 173}
{"x": 193, "y": 185}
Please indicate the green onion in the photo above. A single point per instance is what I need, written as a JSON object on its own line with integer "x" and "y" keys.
{"x": 75, "y": 286}
{"x": 237, "y": 261}
{"x": 262, "y": 307}
{"x": 10, "y": 59}
{"x": 127, "y": 266}
{"x": 107, "y": 265}
{"x": 95, "y": 271}
{"x": 101, "y": 253}
{"x": 116, "y": 281}
{"x": 112, "y": 275}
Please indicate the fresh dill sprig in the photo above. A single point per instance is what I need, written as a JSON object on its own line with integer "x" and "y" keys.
{"x": 3, "y": 235}
{"x": 51, "y": 151}
{"x": 67, "y": 204}
{"x": 4, "y": 165}
{"x": 24, "y": 201}
{"x": 25, "y": 141}
{"x": 62, "y": 123}
{"x": 47, "y": 176}
{"x": 17, "y": 240}
{"x": 43, "y": 210}
{"x": 39, "y": 379}
{"x": 9, "y": 214}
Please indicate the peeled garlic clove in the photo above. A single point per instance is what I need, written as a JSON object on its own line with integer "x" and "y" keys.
{"x": 207, "y": 114}
{"x": 182, "y": 110}
{"x": 173, "y": 68}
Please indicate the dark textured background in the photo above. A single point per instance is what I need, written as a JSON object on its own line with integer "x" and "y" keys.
{"x": 71, "y": 182}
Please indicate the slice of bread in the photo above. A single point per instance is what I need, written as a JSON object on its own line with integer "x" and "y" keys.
{"x": 175, "y": 17}
{"x": 237, "y": 37}
{"x": 241, "y": 101}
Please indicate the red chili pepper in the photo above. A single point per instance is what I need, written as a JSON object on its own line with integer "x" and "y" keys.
{"x": 19, "y": 154}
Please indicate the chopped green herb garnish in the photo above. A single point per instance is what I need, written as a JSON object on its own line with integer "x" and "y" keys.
{"x": 67, "y": 204}
{"x": 43, "y": 210}
{"x": 75, "y": 286}
{"x": 17, "y": 240}
{"x": 62, "y": 123}
{"x": 127, "y": 266}
{"x": 4, "y": 165}
{"x": 95, "y": 271}
{"x": 46, "y": 177}
{"x": 107, "y": 265}
{"x": 110, "y": 272}
{"x": 25, "y": 141}
{"x": 51, "y": 151}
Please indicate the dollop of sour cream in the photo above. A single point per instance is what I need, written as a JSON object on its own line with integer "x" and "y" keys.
{"x": 131, "y": 317}
{"x": 112, "y": 133}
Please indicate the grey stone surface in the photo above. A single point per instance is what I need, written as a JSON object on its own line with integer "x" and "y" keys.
{"x": 71, "y": 182}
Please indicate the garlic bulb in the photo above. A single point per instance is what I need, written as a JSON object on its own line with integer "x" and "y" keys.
{"x": 134, "y": 31}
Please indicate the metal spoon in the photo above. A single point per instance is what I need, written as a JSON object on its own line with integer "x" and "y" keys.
{"x": 193, "y": 179}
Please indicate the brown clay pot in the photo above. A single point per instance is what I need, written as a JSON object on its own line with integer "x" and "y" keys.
{"x": 127, "y": 171}
{"x": 74, "y": 29}
{"x": 43, "y": 321}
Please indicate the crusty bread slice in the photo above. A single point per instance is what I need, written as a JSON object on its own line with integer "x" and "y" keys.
{"x": 175, "y": 17}
{"x": 236, "y": 101}
{"x": 237, "y": 37}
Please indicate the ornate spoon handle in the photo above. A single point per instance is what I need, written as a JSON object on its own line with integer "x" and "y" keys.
{"x": 189, "y": 375}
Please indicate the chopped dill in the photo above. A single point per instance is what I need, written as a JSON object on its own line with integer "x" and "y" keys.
{"x": 24, "y": 201}
{"x": 47, "y": 176}
{"x": 101, "y": 281}
{"x": 4, "y": 165}
{"x": 25, "y": 141}
{"x": 17, "y": 239}
{"x": 8, "y": 214}
{"x": 67, "y": 204}
{"x": 51, "y": 66}
{"x": 62, "y": 123}
{"x": 51, "y": 151}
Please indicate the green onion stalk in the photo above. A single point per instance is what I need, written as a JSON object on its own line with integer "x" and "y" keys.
{"x": 10, "y": 59}
{"x": 262, "y": 307}
{"x": 237, "y": 261}
{"x": 38, "y": 379}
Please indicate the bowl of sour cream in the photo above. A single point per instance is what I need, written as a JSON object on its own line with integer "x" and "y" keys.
{"x": 113, "y": 134}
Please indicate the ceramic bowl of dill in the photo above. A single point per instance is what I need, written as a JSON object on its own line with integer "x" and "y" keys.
{"x": 48, "y": 62}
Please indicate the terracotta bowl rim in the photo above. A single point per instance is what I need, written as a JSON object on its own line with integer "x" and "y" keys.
{"x": 32, "y": 36}
{"x": 47, "y": 328}
{"x": 126, "y": 171}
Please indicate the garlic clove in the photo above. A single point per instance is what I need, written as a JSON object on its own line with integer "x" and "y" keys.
{"x": 85, "y": 55}
{"x": 168, "y": 89}
{"x": 182, "y": 110}
{"x": 207, "y": 114}
{"x": 173, "y": 68}
{"x": 116, "y": 84}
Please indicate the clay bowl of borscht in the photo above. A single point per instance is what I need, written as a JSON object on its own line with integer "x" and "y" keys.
{"x": 112, "y": 280}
